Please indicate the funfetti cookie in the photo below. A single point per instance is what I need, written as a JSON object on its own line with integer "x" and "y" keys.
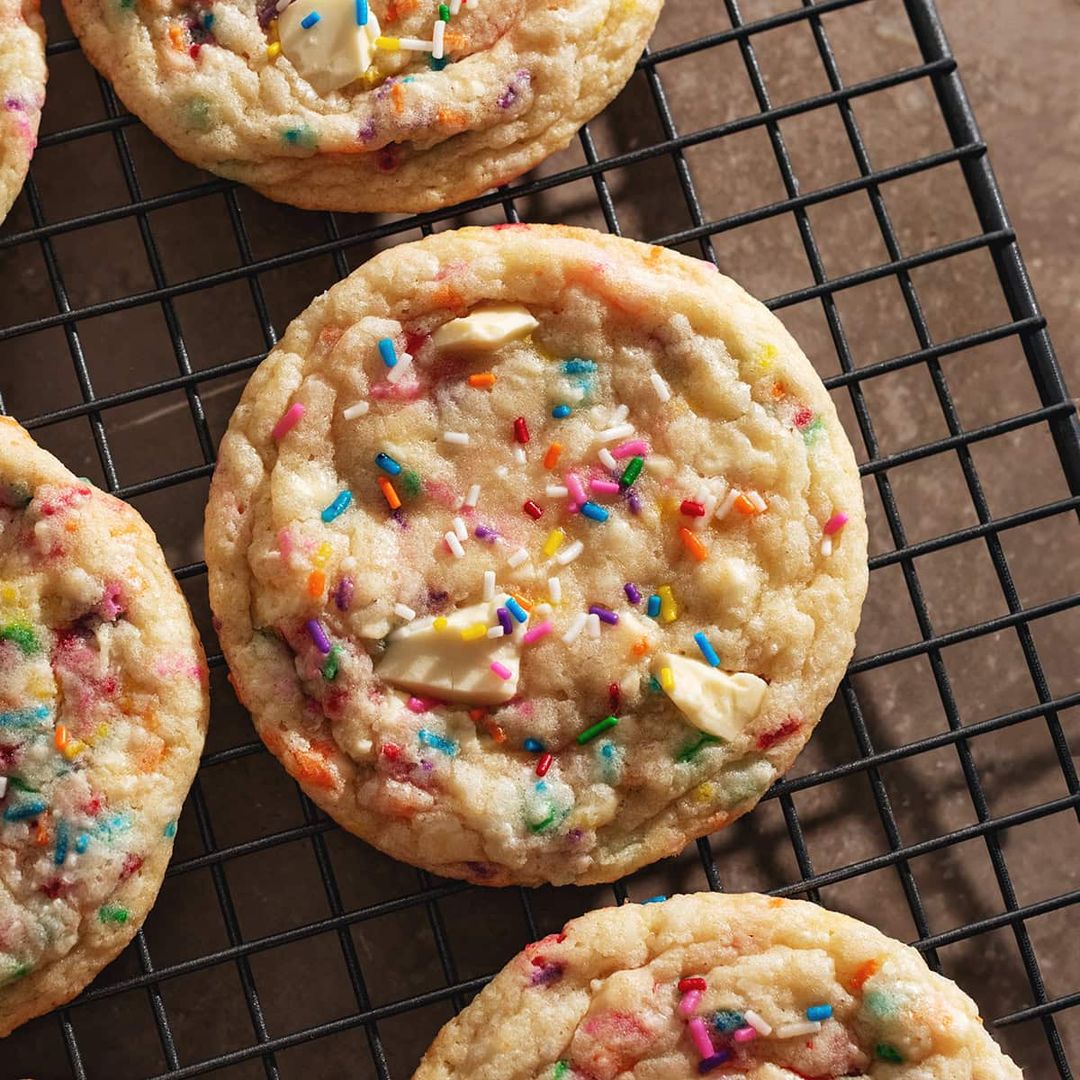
{"x": 535, "y": 553}
{"x": 744, "y": 987}
{"x": 103, "y": 707}
{"x": 387, "y": 105}
{"x": 22, "y": 92}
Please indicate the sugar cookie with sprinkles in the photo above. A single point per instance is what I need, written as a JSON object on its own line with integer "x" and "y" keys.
{"x": 535, "y": 553}
{"x": 22, "y": 92}
{"x": 387, "y": 105}
{"x": 739, "y": 986}
{"x": 103, "y": 707}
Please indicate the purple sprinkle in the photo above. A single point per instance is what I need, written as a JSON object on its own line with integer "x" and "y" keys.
{"x": 267, "y": 12}
{"x": 399, "y": 516}
{"x": 605, "y": 615}
{"x": 706, "y": 1065}
{"x": 548, "y": 974}
{"x": 632, "y": 593}
{"x": 486, "y": 532}
{"x": 14, "y": 105}
{"x": 504, "y": 621}
{"x": 508, "y": 97}
{"x": 343, "y": 594}
{"x": 437, "y": 598}
{"x": 481, "y": 869}
{"x": 367, "y": 132}
{"x": 574, "y": 836}
{"x": 634, "y": 499}
{"x": 425, "y": 765}
{"x": 318, "y": 635}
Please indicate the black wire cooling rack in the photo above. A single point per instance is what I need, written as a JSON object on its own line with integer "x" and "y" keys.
{"x": 827, "y": 156}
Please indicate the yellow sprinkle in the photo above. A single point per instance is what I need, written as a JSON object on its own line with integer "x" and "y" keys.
{"x": 73, "y": 748}
{"x": 472, "y": 633}
{"x": 322, "y": 555}
{"x": 371, "y": 76}
{"x": 102, "y": 730}
{"x": 273, "y": 50}
{"x": 440, "y": 622}
{"x": 703, "y": 792}
{"x": 553, "y": 542}
{"x": 766, "y": 355}
{"x": 667, "y": 680}
{"x": 669, "y": 610}
{"x": 8, "y": 594}
{"x": 391, "y": 43}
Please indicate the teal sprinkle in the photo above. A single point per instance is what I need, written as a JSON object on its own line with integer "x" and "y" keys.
{"x": 437, "y": 742}
{"x": 576, "y": 366}
{"x": 208, "y": 19}
{"x": 879, "y": 1004}
{"x": 812, "y": 430}
{"x": 652, "y": 606}
{"x": 22, "y": 633}
{"x": 19, "y": 784}
{"x": 118, "y": 823}
{"x": 658, "y": 899}
{"x": 197, "y": 113}
{"x": 888, "y": 1052}
{"x": 437, "y": 65}
{"x": 303, "y": 137}
{"x": 654, "y": 685}
{"x": 337, "y": 507}
{"x": 409, "y": 78}
{"x": 726, "y": 1021}
{"x": 82, "y": 842}
{"x": 62, "y": 840}
{"x": 170, "y": 830}
{"x": 23, "y": 718}
{"x": 25, "y": 811}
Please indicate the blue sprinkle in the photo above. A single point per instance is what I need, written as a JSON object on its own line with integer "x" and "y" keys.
{"x": 23, "y": 718}
{"x": 337, "y": 507}
{"x": 361, "y": 13}
{"x": 597, "y": 513}
{"x": 819, "y": 1012}
{"x": 208, "y": 19}
{"x": 652, "y": 609}
{"x": 25, "y": 810}
{"x": 561, "y": 412}
{"x": 82, "y": 842}
{"x": 170, "y": 830}
{"x": 387, "y": 352}
{"x": 607, "y": 750}
{"x": 541, "y": 786}
{"x": 534, "y": 746}
{"x": 61, "y": 843}
{"x": 437, "y": 742}
{"x": 658, "y": 899}
{"x": 387, "y": 464}
{"x": 706, "y": 649}
{"x": 516, "y": 609}
{"x": 438, "y": 65}
{"x": 308, "y": 21}
{"x": 577, "y": 366}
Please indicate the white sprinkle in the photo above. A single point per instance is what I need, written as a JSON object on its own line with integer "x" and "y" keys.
{"x": 592, "y": 623}
{"x": 555, "y": 590}
{"x": 489, "y": 584}
{"x": 724, "y": 508}
{"x": 458, "y": 438}
{"x": 353, "y": 411}
{"x": 756, "y": 1022}
{"x": 403, "y": 611}
{"x": 519, "y": 454}
{"x": 801, "y": 1027}
{"x": 281, "y": 5}
{"x": 415, "y": 44}
{"x": 473, "y": 497}
{"x": 699, "y": 495}
{"x": 556, "y": 491}
{"x": 395, "y": 374}
{"x": 517, "y": 557}
{"x": 496, "y": 631}
{"x": 619, "y": 431}
{"x": 541, "y": 610}
{"x": 757, "y": 500}
{"x": 663, "y": 391}
{"x": 826, "y": 546}
{"x": 574, "y": 392}
{"x": 438, "y": 40}
{"x": 570, "y": 553}
{"x": 502, "y": 471}
{"x": 577, "y": 624}
{"x": 607, "y": 459}
{"x": 709, "y": 502}
{"x": 455, "y": 6}
{"x": 470, "y": 3}
{"x": 460, "y": 529}
{"x": 454, "y": 544}
{"x": 3, "y": 786}
{"x": 618, "y": 415}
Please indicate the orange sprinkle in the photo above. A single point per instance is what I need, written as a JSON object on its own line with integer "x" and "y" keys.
{"x": 476, "y": 715}
{"x": 451, "y": 118}
{"x": 862, "y": 974}
{"x": 693, "y": 544}
{"x": 41, "y": 835}
{"x": 526, "y": 604}
{"x": 60, "y": 736}
{"x": 310, "y": 769}
{"x": 776, "y": 901}
{"x": 397, "y": 95}
{"x": 176, "y": 36}
{"x": 389, "y": 493}
{"x": 778, "y": 390}
{"x": 552, "y": 455}
{"x": 454, "y": 41}
{"x": 655, "y": 254}
{"x": 482, "y": 380}
{"x": 316, "y": 582}
{"x": 640, "y": 648}
{"x": 745, "y": 506}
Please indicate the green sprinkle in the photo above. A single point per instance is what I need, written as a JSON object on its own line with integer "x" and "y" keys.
{"x": 444, "y": 13}
{"x": 590, "y": 733}
{"x": 410, "y": 482}
{"x": 304, "y": 137}
{"x": 333, "y": 662}
{"x": 170, "y": 830}
{"x": 631, "y": 472}
{"x": 812, "y": 430}
{"x": 690, "y": 751}
{"x": 197, "y": 113}
{"x": 540, "y": 826}
{"x": 879, "y": 1004}
{"x": 19, "y": 971}
{"x": 111, "y": 913}
{"x": 561, "y": 1069}
{"x": 888, "y": 1052}
{"x": 126, "y": 5}
{"x": 22, "y": 633}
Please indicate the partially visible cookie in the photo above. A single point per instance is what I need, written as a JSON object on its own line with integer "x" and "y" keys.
{"x": 103, "y": 709}
{"x": 739, "y": 986}
{"x": 22, "y": 92}
{"x": 392, "y": 105}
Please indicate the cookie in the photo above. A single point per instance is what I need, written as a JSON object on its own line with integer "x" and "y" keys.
{"x": 535, "y": 553}
{"x": 732, "y": 986}
{"x": 396, "y": 105}
{"x": 22, "y": 92}
{"x": 103, "y": 708}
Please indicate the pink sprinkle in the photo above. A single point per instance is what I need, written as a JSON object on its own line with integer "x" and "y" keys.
{"x": 835, "y": 523}
{"x": 606, "y": 487}
{"x": 419, "y": 704}
{"x": 744, "y": 1034}
{"x": 699, "y": 1034}
{"x": 633, "y": 448}
{"x": 537, "y": 632}
{"x": 501, "y": 670}
{"x": 289, "y": 419}
{"x": 574, "y": 486}
{"x": 689, "y": 1003}
{"x": 284, "y": 542}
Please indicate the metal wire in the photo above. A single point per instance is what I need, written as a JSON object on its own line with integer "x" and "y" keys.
{"x": 1055, "y": 415}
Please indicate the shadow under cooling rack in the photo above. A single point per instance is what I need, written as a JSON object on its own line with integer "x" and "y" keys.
{"x": 825, "y": 155}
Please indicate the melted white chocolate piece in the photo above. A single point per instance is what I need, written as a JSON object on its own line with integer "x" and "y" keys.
{"x": 486, "y": 327}
{"x": 332, "y": 52}
{"x": 714, "y": 701}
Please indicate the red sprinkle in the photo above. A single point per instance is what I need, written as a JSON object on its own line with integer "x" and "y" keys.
{"x": 542, "y": 767}
{"x": 521, "y": 430}
{"x": 390, "y": 751}
{"x": 695, "y": 982}
{"x": 532, "y": 509}
{"x": 614, "y": 696}
{"x": 803, "y": 416}
{"x": 692, "y": 509}
{"x": 771, "y": 738}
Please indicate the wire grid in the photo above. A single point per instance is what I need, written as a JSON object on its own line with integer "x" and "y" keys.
{"x": 1054, "y": 415}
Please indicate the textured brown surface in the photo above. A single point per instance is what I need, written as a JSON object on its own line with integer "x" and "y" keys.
{"x": 1022, "y": 76}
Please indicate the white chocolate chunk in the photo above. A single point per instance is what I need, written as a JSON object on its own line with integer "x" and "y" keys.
{"x": 714, "y": 701}
{"x": 440, "y": 664}
{"x": 486, "y": 327}
{"x": 334, "y": 51}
